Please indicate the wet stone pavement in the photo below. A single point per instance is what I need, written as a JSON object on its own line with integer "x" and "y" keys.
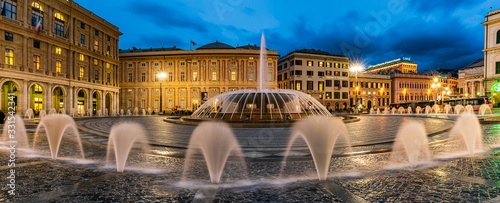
{"x": 157, "y": 177}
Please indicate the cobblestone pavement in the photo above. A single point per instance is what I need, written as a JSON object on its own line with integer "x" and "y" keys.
{"x": 157, "y": 177}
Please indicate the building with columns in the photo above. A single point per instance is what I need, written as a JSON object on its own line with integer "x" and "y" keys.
{"x": 400, "y": 65}
{"x": 192, "y": 76}
{"x": 474, "y": 79}
{"x": 492, "y": 55}
{"x": 70, "y": 63}
{"x": 461, "y": 83}
{"x": 373, "y": 90}
{"x": 322, "y": 75}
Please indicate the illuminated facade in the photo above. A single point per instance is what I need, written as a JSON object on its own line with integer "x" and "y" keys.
{"x": 70, "y": 62}
{"x": 374, "y": 90}
{"x": 401, "y": 65}
{"x": 320, "y": 74}
{"x": 474, "y": 79}
{"x": 414, "y": 87}
{"x": 191, "y": 76}
{"x": 492, "y": 55}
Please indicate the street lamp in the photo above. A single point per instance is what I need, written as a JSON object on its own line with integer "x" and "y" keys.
{"x": 356, "y": 68}
{"x": 436, "y": 85}
{"x": 161, "y": 76}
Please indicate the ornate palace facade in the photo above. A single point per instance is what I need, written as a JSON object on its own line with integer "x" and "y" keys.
{"x": 191, "y": 76}
{"x": 70, "y": 62}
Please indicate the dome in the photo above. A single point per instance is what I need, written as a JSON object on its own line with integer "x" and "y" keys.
{"x": 216, "y": 45}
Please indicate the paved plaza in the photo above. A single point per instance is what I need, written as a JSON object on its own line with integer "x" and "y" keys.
{"x": 361, "y": 175}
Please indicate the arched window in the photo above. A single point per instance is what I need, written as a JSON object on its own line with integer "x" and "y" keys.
{"x": 498, "y": 37}
{"x": 37, "y": 15}
{"x": 59, "y": 25}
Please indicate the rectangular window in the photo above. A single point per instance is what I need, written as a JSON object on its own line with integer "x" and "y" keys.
{"x": 328, "y": 83}
{"x": 285, "y": 66}
{"x": 108, "y": 38}
{"x": 310, "y": 63}
{"x": 96, "y": 74}
{"x": 96, "y": 61}
{"x": 310, "y": 73}
{"x": 108, "y": 77}
{"x": 96, "y": 45}
{"x": 36, "y": 17}
{"x": 298, "y": 85}
{"x": 337, "y": 65}
{"x": 320, "y": 73}
{"x": 96, "y": 32}
{"x": 285, "y": 76}
{"x": 310, "y": 85}
{"x": 298, "y": 62}
{"x": 36, "y": 44}
{"x": 214, "y": 76}
{"x": 183, "y": 64}
{"x": 108, "y": 65}
{"x": 250, "y": 76}
{"x": 156, "y": 104}
{"x": 497, "y": 67}
{"x": 82, "y": 72}
{"x": 108, "y": 50}
{"x": 215, "y": 63}
{"x": 320, "y": 64}
{"x": 345, "y": 95}
{"x": 328, "y": 64}
{"x": 291, "y": 63}
{"x": 143, "y": 103}
{"x": 250, "y": 63}
{"x": 36, "y": 62}
{"x": 82, "y": 57}
{"x": 328, "y": 95}
{"x": 130, "y": 77}
{"x": 129, "y": 103}
{"x": 58, "y": 50}
{"x": 328, "y": 73}
{"x": 82, "y": 39}
{"x": 9, "y": 9}
{"x": 9, "y": 36}
{"x": 195, "y": 76}
{"x": 345, "y": 83}
{"x": 233, "y": 75}
{"x": 82, "y": 25}
{"x": 59, "y": 28}
{"x": 9, "y": 56}
{"x": 170, "y": 77}
{"x": 143, "y": 77}
{"x": 298, "y": 72}
{"x": 321, "y": 85}
{"x": 345, "y": 74}
{"x": 58, "y": 67}
{"x": 183, "y": 76}
{"x": 336, "y": 73}
{"x": 336, "y": 95}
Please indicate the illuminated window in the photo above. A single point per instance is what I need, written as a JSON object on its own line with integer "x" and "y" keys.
{"x": 320, "y": 64}
{"x": 298, "y": 85}
{"x": 170, "y": 76}
{"x": 82, "y": 72}
{"x": 195, "y": 76}
{"x": 96, "y": 61}
{"x": 108, "y": 65}
{"x": 233, "y": 75}
{"x": 108, "y": 50}
{"x": 143, "y": 77}
{"x": 36, "y": 14}
{"x": 96, "y": 45}
{"x": 58, "y": 50}
{"x": 183, "y": 77}
{"x": 82, "y": 57}
{"x": 328, "y": 64}
{"x": 59, "y": 16}
{"x": 36, "y": 62}
{"x": 9, "y": 56}
{"x": 130, "y": 77}
{"x": 337, "y": 65}
{"x": 214, "y": 76}
{"x": 310, "y": 63}
{"x": 59, "y": 25}
{"x": 58, "y": 67}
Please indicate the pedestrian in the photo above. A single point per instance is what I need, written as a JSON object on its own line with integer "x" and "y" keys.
{"x": 2, "y": 117}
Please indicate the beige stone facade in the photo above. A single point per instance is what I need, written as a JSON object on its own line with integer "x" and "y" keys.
{"x": 474, "y": 79}
{"x": 320, "y": 74}
{"x": 373, "y": 90}
{"x": 192, "y": 76}
{"x": 72, "y": 63}
{"x": 492, "y": 55}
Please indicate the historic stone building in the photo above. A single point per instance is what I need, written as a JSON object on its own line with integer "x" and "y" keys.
{"x": 373, "y": 90}
{"x": 57, "y": 54}
{"x": 320, "y": 74}
{"x": 492, "y": 55}
{"x": 191, "y": 76}
{"x": 474, "y": 79}
{"x": 401, "y": 65}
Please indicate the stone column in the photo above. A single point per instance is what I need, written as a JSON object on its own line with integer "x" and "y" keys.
{"x": 466, "y": 89}
{"x": 481, "y": 92}
{"x": 473, "y": 91}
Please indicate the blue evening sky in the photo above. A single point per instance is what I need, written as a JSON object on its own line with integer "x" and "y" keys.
{"x": 434, "y": 33}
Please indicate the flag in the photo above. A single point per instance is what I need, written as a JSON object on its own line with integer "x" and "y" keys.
{"x": 66, "y": 32}
{"x": 38, "y": 26}
{"x": 193, "y": 43}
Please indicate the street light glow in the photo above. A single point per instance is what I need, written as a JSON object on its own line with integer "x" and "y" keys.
{"x": 162, "y": 75}
{"x": 356, "y": 67}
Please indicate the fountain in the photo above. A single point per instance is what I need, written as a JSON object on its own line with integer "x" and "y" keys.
{"x": 216, "y": 141}
{"x": 114, "y": 112}
{"x": 136, "y": 111}
{"x": 149, "y": 111}
{"x": 393, "y": 110}
{"x": 469, "y": 109}
{"x": 447, "y": 108}
{"x": 411, "y": 145}
{"x": 98, "y": 113}
{"x": 18, "y": 134}
{"x": 52, "y": 111}
{"x": 89, "y": 112}
{"x": 143, "y": 112}
{"x": 55, "y": 125}
{"x": 106, "y": 112}
{"x": 428, "y": 109}
{"x": 156, "y": 111}
{"x": 321, "y": 134}
{"x": 409, "y": 110}
{"x": 62, "y": 111}
{"x": 378, "y": 111}
{"x": 401, "y": 110}
{"x": 122, "y": 138}
{"x": 386, "y": 110}
{"x": 29, "y": 114}
{"x": 42, "y": 114}
{"x": 418, "y": 109}
{"x": 372, "y": 111}
{"x": 122, "y": 112}
{"x": 458, "y": 109}
{"x": 435, "y": 107}
{"x": 483, "y": 108}
{"x": 466, "y": 134}
{"x": 129, "y": 113}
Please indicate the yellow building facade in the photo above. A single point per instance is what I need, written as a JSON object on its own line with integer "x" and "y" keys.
{"x": 191, "y": 76}
{"x": 401, "y": 65}
{"x": 70, "y": 63}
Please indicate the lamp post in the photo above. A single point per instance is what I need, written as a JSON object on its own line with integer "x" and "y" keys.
{"x": 161, "y": 76}
{"x": 436, "y": 85}
{"x": 356, "y": 68}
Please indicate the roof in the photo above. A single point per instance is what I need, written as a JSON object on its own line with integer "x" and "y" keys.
{"x": 477, "y": 63}
{"x": 313, "y": 51}
{"x": 250, "y": 47}
{"x": 389, "y": 63}
{"x": 150, "y": 49}
{"x": 216, "y": 45}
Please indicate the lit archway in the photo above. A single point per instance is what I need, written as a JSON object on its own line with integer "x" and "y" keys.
{"x": 58, "y": 101}
{"x": 82, "y": 99}
{"x": 96, "y": 102}
{"x": 10, "y": 93}
{"x": 108, "y": 102}
{"x": 36, "y": 98}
